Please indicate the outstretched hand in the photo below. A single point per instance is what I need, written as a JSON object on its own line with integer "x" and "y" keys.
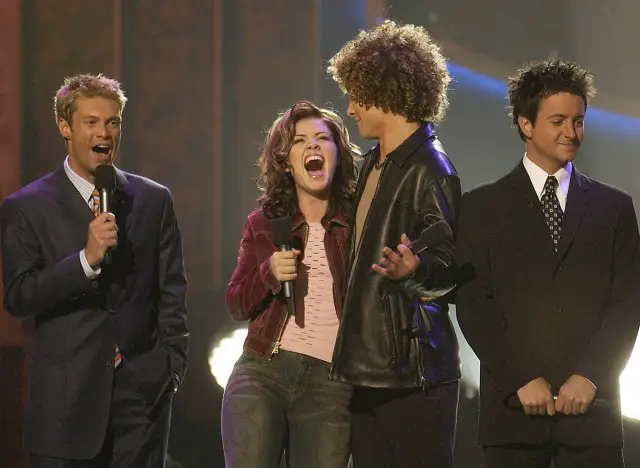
{"x": 399, "y": 264}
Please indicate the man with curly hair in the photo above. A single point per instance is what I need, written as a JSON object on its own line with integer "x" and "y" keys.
{"x": 549, "y": 299}
{"x": 396, "y": 343}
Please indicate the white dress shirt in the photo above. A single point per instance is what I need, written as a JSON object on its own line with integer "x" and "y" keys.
{"x": 539, "y": 176}
{"x": 85, "y": 189}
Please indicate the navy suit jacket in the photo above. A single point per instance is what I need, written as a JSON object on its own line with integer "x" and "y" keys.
{"x": 137, "y": 302}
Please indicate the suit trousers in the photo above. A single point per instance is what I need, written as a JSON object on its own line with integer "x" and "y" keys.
{"x": 541, "y": 456}
{"x": 135, "y": 437}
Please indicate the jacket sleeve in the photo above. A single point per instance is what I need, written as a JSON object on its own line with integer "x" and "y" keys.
{"x": 252, "y": 286}
{"x": 478, "y": 316}
{"x": 605, "y": 353}
{"x": 30, "y": 287}
{"x": 434, "y": 276}
{"x": 172, "y": 308}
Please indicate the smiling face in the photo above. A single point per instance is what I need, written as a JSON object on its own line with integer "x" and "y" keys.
{"x": 313, "y": 158}
{"x": 93, "y": 135}
{"x": 557, "y": 134}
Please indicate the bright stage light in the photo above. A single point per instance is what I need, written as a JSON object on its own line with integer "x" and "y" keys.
{"x": 630, "y": 385}
{"x": 224, "y": 355}
{"x": 228, "y": 349}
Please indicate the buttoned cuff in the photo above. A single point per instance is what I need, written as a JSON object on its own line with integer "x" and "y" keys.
{"x": 90, "y": 272}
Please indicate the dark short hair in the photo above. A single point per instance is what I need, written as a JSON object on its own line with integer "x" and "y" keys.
{"x": 539, "y": 80}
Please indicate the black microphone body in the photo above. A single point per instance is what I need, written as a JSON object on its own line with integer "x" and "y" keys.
{"x": 432, "y": 236}
{"x": 287, "y": 285}
{"x": 281, "y": 230}
{"x": 105, "y": 207}
{"x": 105, "y": 184}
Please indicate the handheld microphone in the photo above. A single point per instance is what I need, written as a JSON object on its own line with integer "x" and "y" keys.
{"x": 432, "y": 236}
{"x": 281, "y": 230}
{"x": 105, "y": 184}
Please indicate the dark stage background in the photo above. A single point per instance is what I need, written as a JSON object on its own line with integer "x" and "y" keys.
{"x": 205, "y": 81}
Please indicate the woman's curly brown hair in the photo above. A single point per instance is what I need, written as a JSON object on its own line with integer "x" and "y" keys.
{"x": 279, "y": 197}
{"x": 539, "y": 80}
{"x": 396, "y": 68}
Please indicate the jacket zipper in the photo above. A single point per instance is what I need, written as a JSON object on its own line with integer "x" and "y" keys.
{"x": 276, "y": 347}
{"x": 392, "y": 341}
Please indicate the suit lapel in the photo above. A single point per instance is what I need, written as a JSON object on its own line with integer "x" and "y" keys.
{"x": 75, "y": 210}
{"x": 577, "y": 204}
{"x": 531, "y": 225}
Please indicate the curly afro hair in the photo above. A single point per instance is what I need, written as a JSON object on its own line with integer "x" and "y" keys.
{"x": 396, "y": 68}
{"x": 539, "y": 80}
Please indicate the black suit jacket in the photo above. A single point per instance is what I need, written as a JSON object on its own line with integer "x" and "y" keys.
{"x": 530, "y": 312}
{"x": 138, "y": 303}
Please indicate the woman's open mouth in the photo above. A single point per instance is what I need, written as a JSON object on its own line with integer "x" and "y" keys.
{"x": 314, "y": 165}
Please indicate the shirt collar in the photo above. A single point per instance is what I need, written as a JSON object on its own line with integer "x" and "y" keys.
{"x": 539, "y": 176}
{"x": 84, "y": 187}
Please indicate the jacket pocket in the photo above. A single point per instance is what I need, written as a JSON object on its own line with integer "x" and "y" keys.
{"x": 397, "y": 329}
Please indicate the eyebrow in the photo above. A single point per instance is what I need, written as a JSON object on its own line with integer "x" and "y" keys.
{"x": 563, "y": 116}
{"x": 94, "y": 117}
{"x": 316, "y": 134}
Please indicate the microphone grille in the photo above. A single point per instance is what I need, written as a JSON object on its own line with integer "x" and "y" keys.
{"x": 281, "y": 230}
{"x": 105, "y": 177}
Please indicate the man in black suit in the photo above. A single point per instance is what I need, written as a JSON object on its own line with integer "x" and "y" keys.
{"x": 110, "y": 341}
{"x": 548, "y": 288}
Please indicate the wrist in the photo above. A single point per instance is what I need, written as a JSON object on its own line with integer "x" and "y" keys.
{"x": 91, "y": 260}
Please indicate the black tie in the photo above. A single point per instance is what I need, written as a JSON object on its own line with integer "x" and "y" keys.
{"x": 552, "y": 211}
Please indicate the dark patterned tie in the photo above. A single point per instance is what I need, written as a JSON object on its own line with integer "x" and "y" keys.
{"x": 552, "y": 211}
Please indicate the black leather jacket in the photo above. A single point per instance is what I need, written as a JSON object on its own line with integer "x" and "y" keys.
{"x": 388, "y": 337}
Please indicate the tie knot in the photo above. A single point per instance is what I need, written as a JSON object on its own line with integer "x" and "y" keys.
{"x": 551, "y": 183}
{"x": 95, "y": 202}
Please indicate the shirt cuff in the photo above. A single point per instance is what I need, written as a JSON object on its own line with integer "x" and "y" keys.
{"x": 90, "y": 272}
{"x": 594, "y": 385}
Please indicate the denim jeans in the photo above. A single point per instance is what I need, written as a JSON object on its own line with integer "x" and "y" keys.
{"x": 289, "y": 404}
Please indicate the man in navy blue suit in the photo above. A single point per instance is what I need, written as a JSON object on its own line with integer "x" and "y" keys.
{"x": 110, "y": 340}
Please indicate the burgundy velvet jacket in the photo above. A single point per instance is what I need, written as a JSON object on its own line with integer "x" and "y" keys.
{"x": 254, "y": 293}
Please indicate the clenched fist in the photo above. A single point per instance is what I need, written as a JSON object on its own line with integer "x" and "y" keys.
{"x": 284, "y": 265}
{"x": 102, "y": 236}
{"x": 536, "y": 397}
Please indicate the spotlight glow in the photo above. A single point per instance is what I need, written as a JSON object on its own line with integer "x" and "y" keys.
{"x": 630, "y": 385}
{"x": 224, "y": 355}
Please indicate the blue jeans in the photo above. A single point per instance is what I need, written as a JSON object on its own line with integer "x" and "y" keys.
{"x": 286, "y": 403}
